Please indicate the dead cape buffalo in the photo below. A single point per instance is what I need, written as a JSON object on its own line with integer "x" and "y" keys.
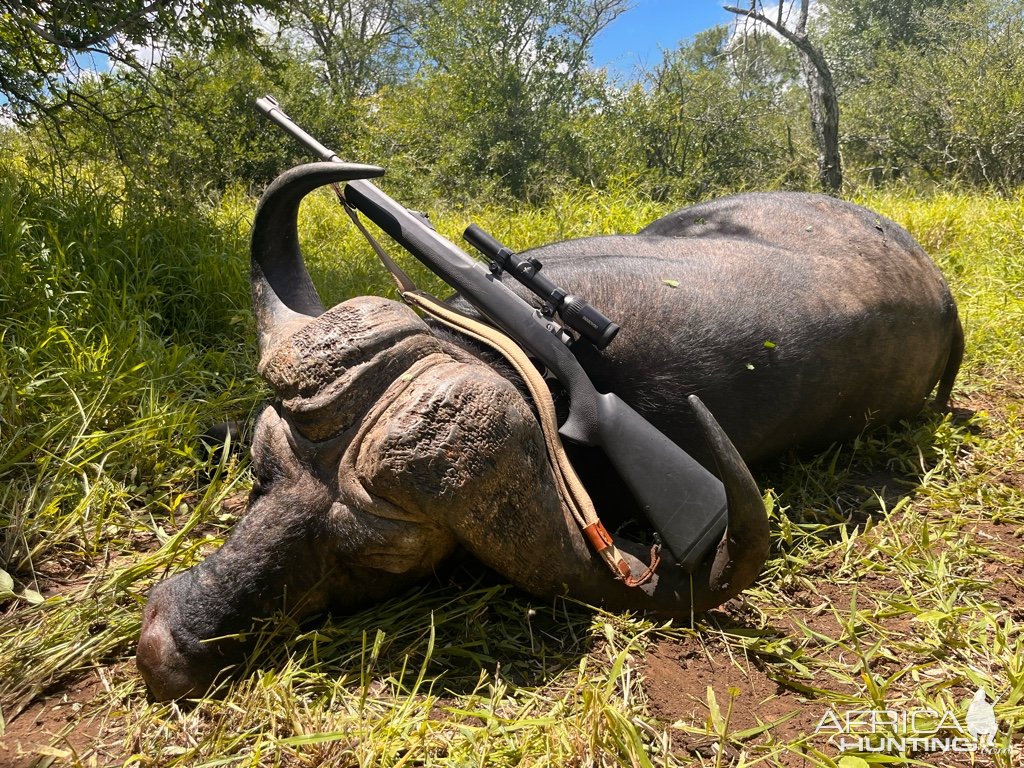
{"x": 799, "y": 319}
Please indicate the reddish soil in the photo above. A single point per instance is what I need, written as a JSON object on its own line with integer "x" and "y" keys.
{"x": 67, "y": 726}
{"x": 60, "y": 730}
{"x": 678, "y": 673}
{"x": 677, "y": 677}
{"x": 1003, "y": 572}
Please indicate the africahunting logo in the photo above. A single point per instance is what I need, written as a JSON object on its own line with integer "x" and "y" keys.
{"x": 894, "y": 731}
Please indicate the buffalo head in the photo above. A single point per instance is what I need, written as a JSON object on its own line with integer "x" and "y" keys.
{"x": 385, "y": 450}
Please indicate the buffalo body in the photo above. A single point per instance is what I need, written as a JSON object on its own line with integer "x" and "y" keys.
{"x": 798, "y": 319}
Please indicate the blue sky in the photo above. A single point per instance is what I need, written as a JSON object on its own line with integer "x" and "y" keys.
{"x": 638, "y": 37}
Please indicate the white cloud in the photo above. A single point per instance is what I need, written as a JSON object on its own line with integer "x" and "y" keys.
{"x": 148, "y": 54}
{"x": 266, "y": 24}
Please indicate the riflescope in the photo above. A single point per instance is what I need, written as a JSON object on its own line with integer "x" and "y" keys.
{"x": 574, "y": 311}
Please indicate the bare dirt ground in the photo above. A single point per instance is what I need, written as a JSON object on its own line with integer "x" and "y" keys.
{"x": 685, "y": 678}
{"x": 65, "y": 727}
{"x": 693, "y": 684}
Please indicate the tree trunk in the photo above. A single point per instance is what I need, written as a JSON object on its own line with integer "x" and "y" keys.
{"x": 824, "y": 116}
{"x": 821, "y": 91}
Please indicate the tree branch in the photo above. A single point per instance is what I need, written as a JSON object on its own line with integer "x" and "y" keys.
{"x": 66, "y": 41}
{"x": 801, "y": 21}
{"x": 797, "y": 39}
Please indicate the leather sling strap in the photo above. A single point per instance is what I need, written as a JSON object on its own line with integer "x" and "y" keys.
{"x": 570, "y": 487}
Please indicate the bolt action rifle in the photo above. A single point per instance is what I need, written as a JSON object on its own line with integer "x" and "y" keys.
{"x": 683, "y": 501}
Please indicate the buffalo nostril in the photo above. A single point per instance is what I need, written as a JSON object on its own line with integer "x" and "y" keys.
{"x": 167, "y": 670}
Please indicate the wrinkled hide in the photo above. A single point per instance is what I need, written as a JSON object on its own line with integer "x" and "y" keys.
{"x": 386, "y": 452}
{"x": 388, "y": 448}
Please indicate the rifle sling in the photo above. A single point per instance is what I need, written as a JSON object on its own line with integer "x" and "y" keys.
{"x": 570, "y": 487}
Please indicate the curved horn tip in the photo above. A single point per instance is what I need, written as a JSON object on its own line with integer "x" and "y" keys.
{"x": 719, "y": 442}
{"x": 284, "y": 296}
{"x": 745, "y": 543}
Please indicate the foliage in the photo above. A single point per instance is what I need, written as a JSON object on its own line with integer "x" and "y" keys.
{"x": 40, "y": 41}
{"x": 124, "y": 329}
{"x": 467, "y": 99}
{"x": 822, "y": 98}
{"x": 358, "y": 47}
{"x": 715, "y": 115}
{"x": 503, "y": 86}
{"x": 719, "y": 116}
{"x": 857, "y": 32}
{"x": 192, "y": 127}
{"x": 124, "y": 332}
{"x": 952, "y": 110}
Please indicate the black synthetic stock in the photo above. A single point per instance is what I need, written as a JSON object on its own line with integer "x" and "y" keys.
{"x": 684, "y": 502}
{"x": 674, "y": 491}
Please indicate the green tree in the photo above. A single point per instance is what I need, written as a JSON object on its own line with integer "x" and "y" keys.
{"x": 358, "y": 46}
{"x": 717, "y": 116}
{"x": 501, "y": 95}
{"x": 40, "y": 42}
{"x": 190, "y": 127}
{"x": 858, "y": 34}
{"x": 946, "y": 104}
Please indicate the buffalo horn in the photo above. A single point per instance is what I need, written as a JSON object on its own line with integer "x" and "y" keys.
{"x": 283, "y": 294}
{"x": 744, "y": 546}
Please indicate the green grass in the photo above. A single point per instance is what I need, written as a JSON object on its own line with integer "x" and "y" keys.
{"x": 894, "y": 579}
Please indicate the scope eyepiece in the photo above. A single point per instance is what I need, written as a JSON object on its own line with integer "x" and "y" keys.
{"x": 574, "y": 311}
